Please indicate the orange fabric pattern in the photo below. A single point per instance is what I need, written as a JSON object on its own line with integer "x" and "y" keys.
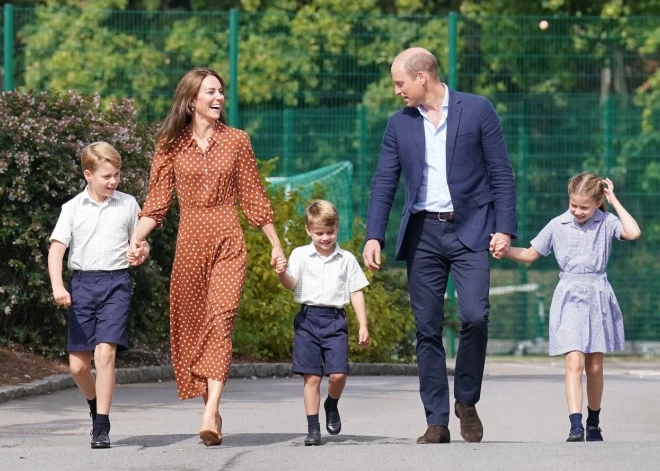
{"x": 210, "y": 258}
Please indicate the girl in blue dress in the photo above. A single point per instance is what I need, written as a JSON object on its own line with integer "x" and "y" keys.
{"x": 585, "y": 318}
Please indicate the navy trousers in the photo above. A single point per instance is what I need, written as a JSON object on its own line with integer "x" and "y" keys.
{"x": 432, "y": 251}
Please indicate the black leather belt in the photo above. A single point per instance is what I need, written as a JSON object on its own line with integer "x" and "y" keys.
{"x": 444, "y": 217}
{"x": 324, "y": 309}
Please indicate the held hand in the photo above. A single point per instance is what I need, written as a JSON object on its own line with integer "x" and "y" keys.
{"x": 500, "y": 250}
{"x": 62, "y": 297}
{"x": 371, "y": 254}
{"x": 276, "y": 255}
{"x": 364, "y": 336}
{"x": 133, "y": 244}
{"x": 139, "y": 255}
{"x": 499, "y": 244}
{"x": 609, "y": 191}
{"x": 280, "y": 265}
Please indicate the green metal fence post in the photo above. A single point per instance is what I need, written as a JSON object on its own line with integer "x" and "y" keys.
{"x": 287, "y": 142}
{"x": 351, "y": 203}
{"x": 9, "y": 47}
{"x": 363, "y": 184}
{"x": 608, "y": 134}
{"x": 523, "y": 192}
{"x": 452, "y": 82}
{"x": 452, "y": 56}
{"x": 233, "y": 67}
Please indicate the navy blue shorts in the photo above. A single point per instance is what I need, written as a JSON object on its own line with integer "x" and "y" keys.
{"x": 320, "y": 343}
{"x": 100, "y": 302}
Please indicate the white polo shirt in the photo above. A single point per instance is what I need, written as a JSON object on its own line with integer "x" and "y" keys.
{"x": 97, "y": 235}
{"x": 325, "y": 281}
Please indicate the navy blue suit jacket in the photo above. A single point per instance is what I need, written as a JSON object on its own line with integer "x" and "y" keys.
{"x": 479, "y": 173}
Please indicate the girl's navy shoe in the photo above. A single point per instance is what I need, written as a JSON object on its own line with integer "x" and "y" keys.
{"x": 593, "y": 433}
{"x": 576, "y": 435}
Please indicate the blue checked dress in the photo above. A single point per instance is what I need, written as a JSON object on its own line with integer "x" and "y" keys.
{"x": 584, "y": 315}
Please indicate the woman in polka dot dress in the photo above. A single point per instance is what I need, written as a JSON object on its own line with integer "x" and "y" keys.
{"x": 212, "y": 167}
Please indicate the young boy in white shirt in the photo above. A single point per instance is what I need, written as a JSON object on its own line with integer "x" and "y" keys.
{"x": 96, "y": 226}
{"x": 324, "y": 277}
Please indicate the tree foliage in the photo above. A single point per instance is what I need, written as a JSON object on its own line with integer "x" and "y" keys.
{"x": 579, "y": 94}
{"x": 41, "y": 137}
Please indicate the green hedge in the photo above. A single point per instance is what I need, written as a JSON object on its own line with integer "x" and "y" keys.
{"x": 42, "y": 136}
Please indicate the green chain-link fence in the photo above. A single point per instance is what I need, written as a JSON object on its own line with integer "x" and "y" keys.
{"x": 314, "y": 90}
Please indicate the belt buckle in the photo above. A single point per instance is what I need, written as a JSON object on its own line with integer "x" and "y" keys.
{"x": 441, "y": 219}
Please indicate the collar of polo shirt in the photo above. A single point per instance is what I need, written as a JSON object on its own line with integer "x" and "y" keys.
{"x": 311, "y": 251}
{"x": 89, "y": 198}
{"x": 568, "y": 217}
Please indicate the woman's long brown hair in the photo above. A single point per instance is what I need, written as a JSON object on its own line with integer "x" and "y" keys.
{"x": 180, "y": 115}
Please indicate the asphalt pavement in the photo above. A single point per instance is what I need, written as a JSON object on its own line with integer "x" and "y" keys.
{"x": 523, "y": 409}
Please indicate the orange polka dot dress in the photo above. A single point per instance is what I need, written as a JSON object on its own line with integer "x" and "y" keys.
{"x": 210, "y": 258}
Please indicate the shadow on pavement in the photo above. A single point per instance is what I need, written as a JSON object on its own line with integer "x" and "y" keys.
{"x": 150, "y": 441}
{"x": 260, "y": 439}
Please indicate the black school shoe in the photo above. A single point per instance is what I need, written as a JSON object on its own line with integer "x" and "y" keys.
{"x": 313, "y": 438}
{"x": 332, "y": 419}
{"x": 100, "y": 438}
{"x": 593, "y": 433}
{"x": 576, "y": 435}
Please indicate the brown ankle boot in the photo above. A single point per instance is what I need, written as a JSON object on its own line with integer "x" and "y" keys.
{"x": 472, "y": 429}
{"x": 435, "y": 434}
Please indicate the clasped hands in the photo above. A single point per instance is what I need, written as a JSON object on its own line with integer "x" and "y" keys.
{"x": 500, "y": 244}
{"x": 278, "y": 260}
{"x": 137, "y": 252}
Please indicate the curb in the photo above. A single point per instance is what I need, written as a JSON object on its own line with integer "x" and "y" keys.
{"x": 55, "y": 383}
{"x": 149, "y": 374}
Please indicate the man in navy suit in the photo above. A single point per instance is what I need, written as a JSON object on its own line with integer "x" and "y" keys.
{"x": 460, "y": 202}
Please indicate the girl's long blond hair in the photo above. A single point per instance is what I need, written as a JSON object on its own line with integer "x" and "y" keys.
{"x": 589, "y": 185}
{"x": 180, "y": 115}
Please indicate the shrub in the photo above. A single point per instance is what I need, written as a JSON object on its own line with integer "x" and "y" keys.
{"x": 264, "y": 326}
{"x": 41, "y": 138}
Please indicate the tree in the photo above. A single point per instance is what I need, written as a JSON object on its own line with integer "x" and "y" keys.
{"x": 74, "y": 48}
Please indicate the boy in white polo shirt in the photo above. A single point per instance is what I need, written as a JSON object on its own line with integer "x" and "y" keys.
{"x": 96, "y": 226}
{"x": 324, "y": 277}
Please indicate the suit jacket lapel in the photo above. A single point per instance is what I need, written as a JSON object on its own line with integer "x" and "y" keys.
{"x": 419, "y": 138}
{"x": 453, "y": 120}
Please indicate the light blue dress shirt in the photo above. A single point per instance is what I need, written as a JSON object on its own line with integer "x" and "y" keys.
{"x": 433, "y": 192}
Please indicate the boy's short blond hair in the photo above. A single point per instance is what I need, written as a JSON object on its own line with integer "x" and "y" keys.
{"x": 98, "y": 152}
{"x": 321, "y": 213}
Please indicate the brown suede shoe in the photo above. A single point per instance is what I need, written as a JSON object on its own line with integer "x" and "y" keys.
{"x": 435, "y": 434}
{"x": 471, "y": 428}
